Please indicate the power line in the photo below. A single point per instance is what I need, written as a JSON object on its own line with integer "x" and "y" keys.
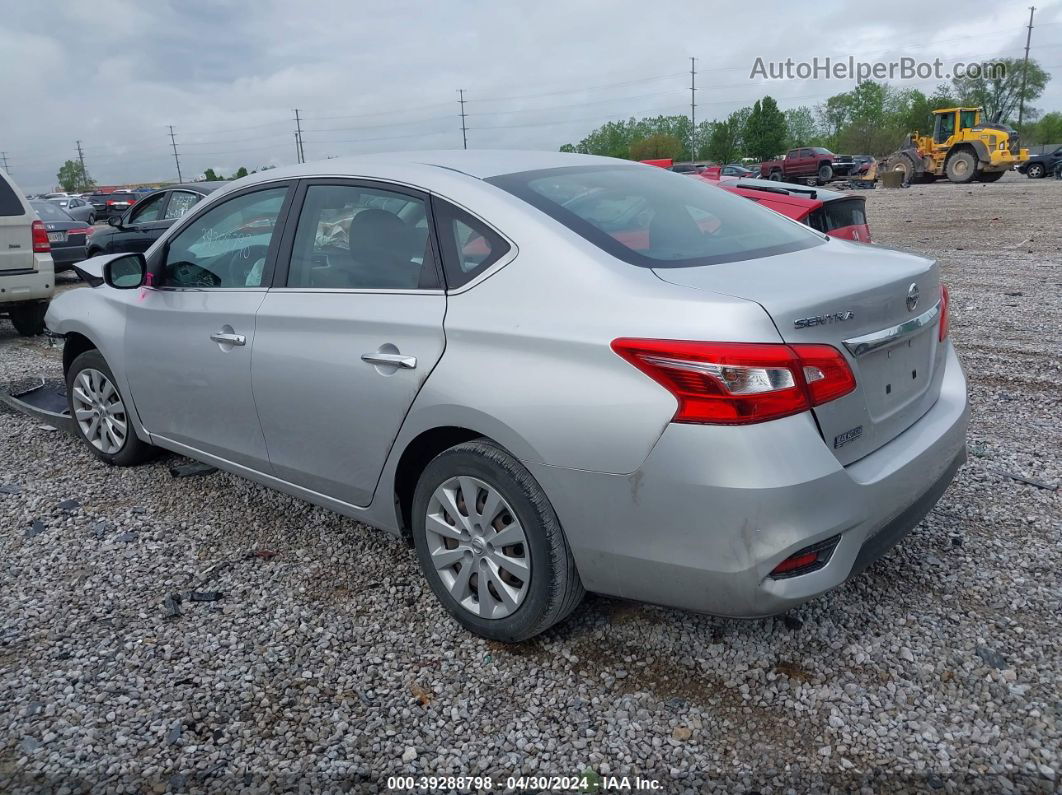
{"x": 298, "y": 137}
{"x": 176, "y": 159}
{"x": 464, "y": 128}
{"x": 1025, "y": 67}
{"x": 83, "y": 181}
{"x": 693, "y": 108}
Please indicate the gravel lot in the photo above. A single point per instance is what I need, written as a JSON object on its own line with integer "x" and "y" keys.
{"x": 326, "y": 664}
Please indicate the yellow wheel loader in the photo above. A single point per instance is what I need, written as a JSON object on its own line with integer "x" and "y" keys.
{"x": 961, "y": 148}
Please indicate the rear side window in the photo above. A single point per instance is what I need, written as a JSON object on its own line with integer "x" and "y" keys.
{"x": 469, "y": 246}
{"x": 9, "y": 201}
{"x": 839, "y": 214}
{"x": 654, "y": 218}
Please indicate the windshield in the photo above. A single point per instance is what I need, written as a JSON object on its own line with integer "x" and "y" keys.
{"x": 655, "y": 218}
{"x": 47, "y": 211}
{"x": 819, "y": 150}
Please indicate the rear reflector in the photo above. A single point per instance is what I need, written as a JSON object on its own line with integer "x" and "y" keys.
{"x": 40, "y": 238}
{"x": 944, "y": 320}
{"x": 807, "y": 560}
{"x": 737, "y": 383}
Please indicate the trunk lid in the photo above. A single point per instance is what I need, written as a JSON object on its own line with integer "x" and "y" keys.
{"x": 845, "y": 292}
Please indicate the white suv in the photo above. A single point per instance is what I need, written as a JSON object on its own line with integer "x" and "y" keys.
{"x": 27, "y": 275}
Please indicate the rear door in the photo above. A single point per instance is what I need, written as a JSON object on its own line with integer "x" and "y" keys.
{"x": 879, "y": 307}
{"x": 16, "y": 231}
{"x": 348, "y": 334}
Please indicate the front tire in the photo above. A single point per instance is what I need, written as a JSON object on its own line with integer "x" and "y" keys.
{"x": 961, "y": 167}
{"x": 1035, "y": 171}
{"x": 100, "y": 414}
{"x": 490, "y": 545}
{"x": 825, "y": 172}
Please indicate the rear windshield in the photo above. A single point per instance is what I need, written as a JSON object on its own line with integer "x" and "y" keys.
{"x": 839, "y": 214}
{"x": 49, "y": 212}
{"x": 655, "y": 218}
{"x": 10, "y": 204}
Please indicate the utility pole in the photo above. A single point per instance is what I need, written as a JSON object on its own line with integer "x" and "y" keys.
{"x": 1025, "y": 68}
{"x": 3, "y": 156}
{"x": 464, "y": 129}
{"x": 176, "y": 159}
{"x": 84, "y": 174}
{"x": 298, "y": 138}
{"x": 693, "y": 108}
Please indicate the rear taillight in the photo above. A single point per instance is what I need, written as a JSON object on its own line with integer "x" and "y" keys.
{"x": 944, "y": 321}
{"x": 737, "y": 383}
{"x": 40, "y": 238}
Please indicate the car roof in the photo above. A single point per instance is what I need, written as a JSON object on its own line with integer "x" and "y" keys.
{"x": 478, "y": 163}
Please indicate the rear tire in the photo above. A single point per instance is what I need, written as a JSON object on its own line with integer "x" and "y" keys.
{"x": 28, "y": 319}
{"x": 532, "y": 565}
{"x": 100, "y": 415}
{"x": 775, "y": 175}
{"x": 961, "y": 167}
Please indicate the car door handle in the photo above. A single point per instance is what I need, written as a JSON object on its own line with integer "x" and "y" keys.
{"x": 392, "y": 359}
{"x": 229, "y": 339}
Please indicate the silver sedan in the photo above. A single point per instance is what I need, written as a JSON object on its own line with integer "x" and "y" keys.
{"x": 549, "y": 373}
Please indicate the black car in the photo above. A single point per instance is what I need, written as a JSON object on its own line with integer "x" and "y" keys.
{"x": 737, "y": 170}
{"x": 138, "y": 228}
{"x": 67, "y": 237}
{"x": 1042, "y": 164}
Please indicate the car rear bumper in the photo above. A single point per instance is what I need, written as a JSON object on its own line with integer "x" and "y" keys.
{"x": 28, "y": 285}
{"x": 65, "y": 256}
{"x": 714, "y": 509}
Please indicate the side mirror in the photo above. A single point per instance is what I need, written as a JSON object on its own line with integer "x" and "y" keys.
{"x": 125, "y": 273}
{"x": 115, "y": 221}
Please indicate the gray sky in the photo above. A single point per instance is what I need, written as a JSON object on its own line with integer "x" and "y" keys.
{"x": 377, "y": 76}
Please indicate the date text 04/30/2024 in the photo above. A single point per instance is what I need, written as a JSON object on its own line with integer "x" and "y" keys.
{"x": 579, "y": 783}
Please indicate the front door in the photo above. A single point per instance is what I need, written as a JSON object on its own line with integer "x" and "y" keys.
{"x": 347, "y": 336}
{"x": 142, "y": 225}
{"x": 190, "y": 337}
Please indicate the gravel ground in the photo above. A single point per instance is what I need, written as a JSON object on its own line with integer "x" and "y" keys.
{"x": 327, "y": 665}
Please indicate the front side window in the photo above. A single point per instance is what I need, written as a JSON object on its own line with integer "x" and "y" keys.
{"x": 181, "y": 201}
{"x": 652, "y": 218}
{"x": 227, "y": 246}
{"x": 148, "y": 210}
{"x": 351, "y": 237}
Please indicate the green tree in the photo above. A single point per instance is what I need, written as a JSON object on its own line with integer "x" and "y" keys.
{"x": 1048, "y": 130}
{"x": 803, "y": 131}
{"x": 570, "y": 148}
{"x": 765, "y": 133}
{"x": 73, "y": 177}
{"x": 210, "y": 176}
{"x": 657, "y": 145}
{"x": 241, "y": 172}
{"x": 1000, "y": 94}
{"x": 724, "y": 140}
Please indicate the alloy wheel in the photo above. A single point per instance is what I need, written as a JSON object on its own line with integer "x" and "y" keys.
{"x": 478, "y": 547}
{"x": 99, "y": 411}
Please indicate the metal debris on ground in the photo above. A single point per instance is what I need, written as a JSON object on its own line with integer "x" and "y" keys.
{"x": 1029, "y": 481}
{"x": 69, "y": 505}
{"x": 172, "y": 605}
{"x": 204, "y": 596}
{"x": 191, "y": 469}
{"x": 10, "y": 488}
{"x": 35, "y": 529}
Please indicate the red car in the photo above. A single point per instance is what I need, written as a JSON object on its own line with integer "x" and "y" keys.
{"x": 831, "y": 212}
